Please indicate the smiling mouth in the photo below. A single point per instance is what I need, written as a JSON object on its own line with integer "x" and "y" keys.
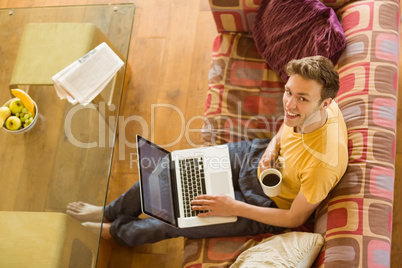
{"x": 291, "y": 115}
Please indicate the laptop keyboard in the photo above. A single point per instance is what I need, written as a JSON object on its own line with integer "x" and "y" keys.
{"x": 192, "y": 182}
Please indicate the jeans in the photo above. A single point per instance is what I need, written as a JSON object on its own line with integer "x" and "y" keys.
{"x": 130, "y": 230}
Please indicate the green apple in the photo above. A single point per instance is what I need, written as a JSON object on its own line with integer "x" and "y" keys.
{"x": 13, "y": 123}
{"x": 16, "y": 106}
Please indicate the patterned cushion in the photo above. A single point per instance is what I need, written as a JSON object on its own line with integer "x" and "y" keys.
{"x": 244, "y": 100}
{"x": 286, "y": 29}
{"x": 217, "y": 252}
{"x": 234, "y": 15}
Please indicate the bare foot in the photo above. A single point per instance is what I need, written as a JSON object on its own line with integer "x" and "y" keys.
{"x": 96, "y": 228}
{"x": 84, "y": 212}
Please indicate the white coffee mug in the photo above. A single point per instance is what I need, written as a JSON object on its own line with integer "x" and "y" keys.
{"x": 271, "y": 181}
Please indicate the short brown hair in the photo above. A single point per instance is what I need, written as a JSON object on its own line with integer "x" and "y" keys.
{"x": 317, "y": 68}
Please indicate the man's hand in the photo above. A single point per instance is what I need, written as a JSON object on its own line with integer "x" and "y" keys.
{"x": 216, "y": 205}
{"x": 268, "y": 159}
{"x": 270, "y": 156}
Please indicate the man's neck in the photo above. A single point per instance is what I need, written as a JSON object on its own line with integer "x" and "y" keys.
{"x": 314, "y": 122}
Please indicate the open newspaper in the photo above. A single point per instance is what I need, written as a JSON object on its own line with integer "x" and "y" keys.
{"x": 85, "y": 78}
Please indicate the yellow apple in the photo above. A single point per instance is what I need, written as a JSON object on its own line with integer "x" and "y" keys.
{"x": 5, "y": 112}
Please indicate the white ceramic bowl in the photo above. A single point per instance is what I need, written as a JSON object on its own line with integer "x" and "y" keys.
{"x": 23, "y": 130}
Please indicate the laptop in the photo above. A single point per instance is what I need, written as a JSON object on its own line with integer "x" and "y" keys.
{"x": 169, "y": 181}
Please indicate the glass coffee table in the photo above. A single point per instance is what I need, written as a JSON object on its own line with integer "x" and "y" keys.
{"x": 67, "y": 154}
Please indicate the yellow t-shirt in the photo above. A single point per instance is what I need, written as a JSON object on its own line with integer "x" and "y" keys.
{"x": 314, "y": 162}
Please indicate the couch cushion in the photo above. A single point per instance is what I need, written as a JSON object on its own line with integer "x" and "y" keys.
{"x": 234, "y": 15}
{"x": 294, "y": 249}
{"x": 286, "y": 29}
{"x": 244, "y": 99}
{"x": 335, "y": 4}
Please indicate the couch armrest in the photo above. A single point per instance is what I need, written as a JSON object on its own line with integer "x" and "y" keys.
{"x": 234, "y": 15}
{"x": 335, "y": 4}
{"x": 356, "y": 218}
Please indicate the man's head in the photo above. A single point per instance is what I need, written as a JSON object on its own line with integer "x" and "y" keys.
{"x": 312, "y": 85}
{"x": 316, "y": 68}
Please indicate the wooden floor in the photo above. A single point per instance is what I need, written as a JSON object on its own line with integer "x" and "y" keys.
{"x": 169, "y": 61}
{"x": 170, "y": 57}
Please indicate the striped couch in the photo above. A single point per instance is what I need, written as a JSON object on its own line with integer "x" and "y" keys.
{"x": 244, "y": 101}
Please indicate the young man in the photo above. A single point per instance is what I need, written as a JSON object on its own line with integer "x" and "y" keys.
{"x": 312, "y": 141}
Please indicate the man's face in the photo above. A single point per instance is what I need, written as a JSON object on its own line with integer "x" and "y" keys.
{"x": 302, "y": 105}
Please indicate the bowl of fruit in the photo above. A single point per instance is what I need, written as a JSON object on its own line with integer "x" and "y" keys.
{"x": 19, "y": 114}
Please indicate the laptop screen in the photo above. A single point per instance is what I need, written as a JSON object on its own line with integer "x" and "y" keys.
{"x": 155, "y": 181}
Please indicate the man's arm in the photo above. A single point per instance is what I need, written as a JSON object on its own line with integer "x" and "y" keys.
{"x": 222, "y": 205}
{"x": 270, "y": 155}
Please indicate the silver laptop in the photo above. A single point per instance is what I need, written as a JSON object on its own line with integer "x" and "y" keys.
{"x": 169, "y": 181}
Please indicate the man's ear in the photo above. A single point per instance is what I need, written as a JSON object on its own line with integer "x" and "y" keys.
{"x": 325, "y": 103}
{"x": 328, "y": 102}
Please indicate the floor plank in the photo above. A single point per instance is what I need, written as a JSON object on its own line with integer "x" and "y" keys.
{"x": 396, "y": 258}
{"x": 167, "y": 88}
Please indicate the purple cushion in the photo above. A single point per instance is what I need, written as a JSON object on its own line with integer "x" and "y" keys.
{"x": 287, "y": 29}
